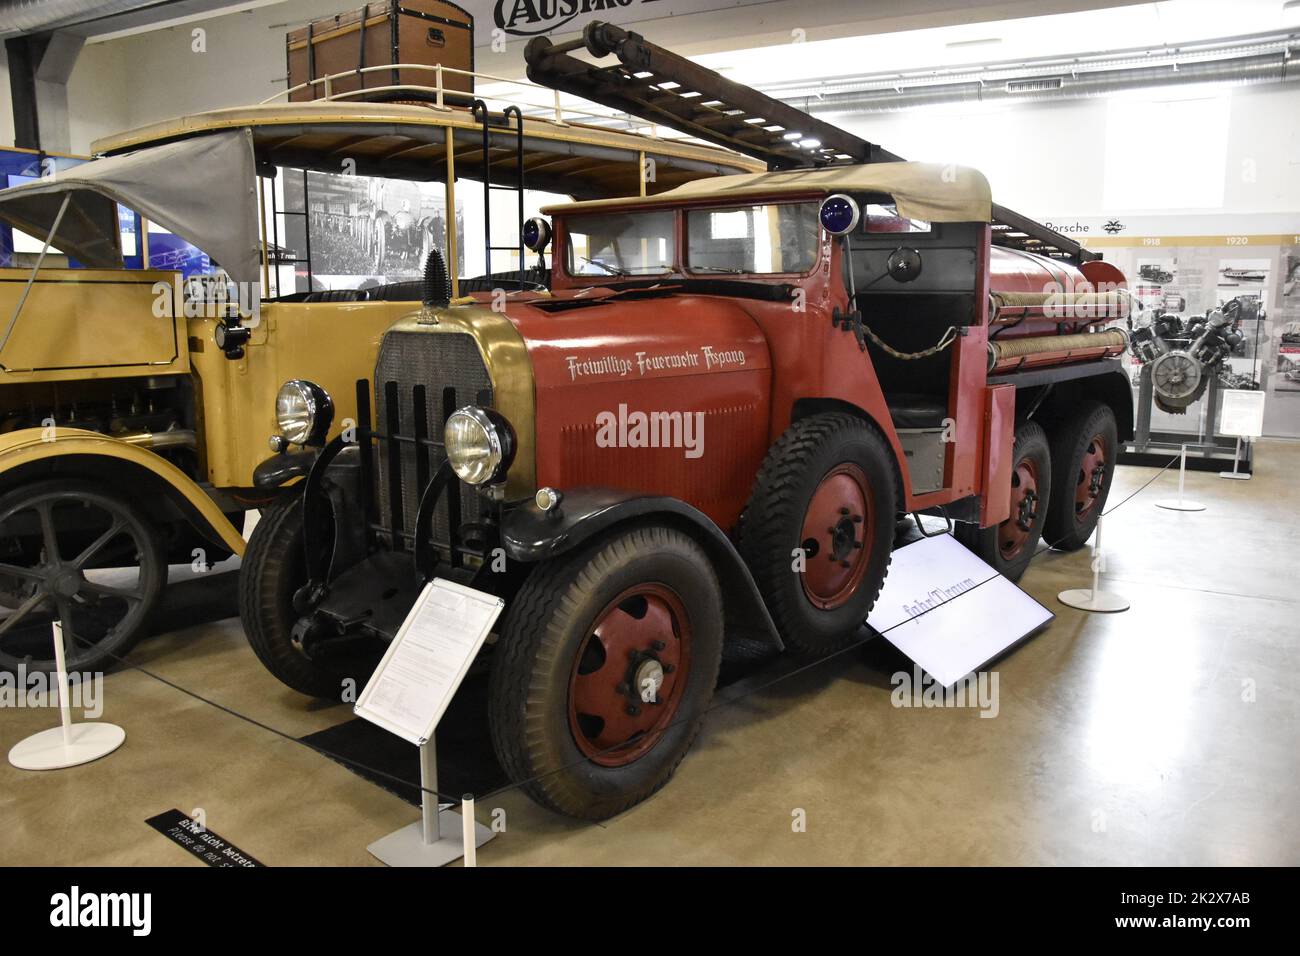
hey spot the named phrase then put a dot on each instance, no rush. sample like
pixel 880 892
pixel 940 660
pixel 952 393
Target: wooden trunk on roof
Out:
pixel 420 32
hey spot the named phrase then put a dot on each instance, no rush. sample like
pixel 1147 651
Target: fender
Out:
pixel 530 535
pixel 29 445
pixel 284 467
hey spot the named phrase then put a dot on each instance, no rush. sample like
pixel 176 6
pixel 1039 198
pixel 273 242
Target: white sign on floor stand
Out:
pixel 1094 598
pixel 1180 503
pixel 407 696
pixel 949 611
pixel 1242 416
pixel 69 744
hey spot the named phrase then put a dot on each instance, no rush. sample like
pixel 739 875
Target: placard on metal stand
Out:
pixel 1243 416
pixel 407 696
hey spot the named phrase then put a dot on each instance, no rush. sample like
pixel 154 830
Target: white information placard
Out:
pixel 949 611
pixel 1242 412
pixel 427 660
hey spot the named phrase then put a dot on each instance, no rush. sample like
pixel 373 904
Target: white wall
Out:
pixel 1050 159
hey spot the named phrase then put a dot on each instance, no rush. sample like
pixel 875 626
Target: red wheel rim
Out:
pixel 1092 477
pixel 836 536
pixel 643 635
pixel 1014 533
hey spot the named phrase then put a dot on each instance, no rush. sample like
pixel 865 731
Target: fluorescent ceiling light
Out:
pixel 986 41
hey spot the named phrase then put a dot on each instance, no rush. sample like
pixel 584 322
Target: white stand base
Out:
pixel 49 751
pixel 1239 475
pixel 1088 599
pixel 1179 504
pixel 406 847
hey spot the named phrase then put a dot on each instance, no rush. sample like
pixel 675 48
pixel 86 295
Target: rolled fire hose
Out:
pixel 1088 306
pixel 1055 349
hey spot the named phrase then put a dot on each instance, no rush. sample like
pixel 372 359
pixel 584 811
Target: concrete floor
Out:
pixel 1164 735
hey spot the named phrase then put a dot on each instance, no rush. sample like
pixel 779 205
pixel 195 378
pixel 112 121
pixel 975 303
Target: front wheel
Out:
pixel 274 568
pixel 1009 547
pixel 604 669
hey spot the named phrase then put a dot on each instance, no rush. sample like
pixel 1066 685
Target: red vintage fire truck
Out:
pixel 710 426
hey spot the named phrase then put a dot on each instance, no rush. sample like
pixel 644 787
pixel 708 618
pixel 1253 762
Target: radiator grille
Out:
pixel 438 361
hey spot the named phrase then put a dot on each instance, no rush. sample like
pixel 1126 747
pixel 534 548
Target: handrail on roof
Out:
pixel 555 108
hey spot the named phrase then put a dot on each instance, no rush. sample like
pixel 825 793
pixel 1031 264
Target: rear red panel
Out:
pixel 1000 419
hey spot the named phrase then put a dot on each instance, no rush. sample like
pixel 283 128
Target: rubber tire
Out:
pixel 274 567
pixel 1062 529
pixel 546 625
pixel 790 473
pixel 1031 442
pixel 151 542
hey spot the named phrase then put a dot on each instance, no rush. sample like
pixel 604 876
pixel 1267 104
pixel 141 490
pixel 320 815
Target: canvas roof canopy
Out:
pixel 930 191
pixel 202 189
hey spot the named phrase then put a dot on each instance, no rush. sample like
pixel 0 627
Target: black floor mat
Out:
pixel 466 762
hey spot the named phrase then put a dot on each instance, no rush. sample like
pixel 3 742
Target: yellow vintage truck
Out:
pixel 135 407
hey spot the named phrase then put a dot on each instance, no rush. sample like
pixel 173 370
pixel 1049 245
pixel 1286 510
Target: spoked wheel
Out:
pixel 1084 449
pixel 1009 547
pixel 604 669
pixel 623 691
pixel 73 553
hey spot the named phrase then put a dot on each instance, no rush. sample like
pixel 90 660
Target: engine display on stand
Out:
pixel 1183 356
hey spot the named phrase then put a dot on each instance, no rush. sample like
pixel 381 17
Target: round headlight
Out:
pixel 839 214
pixel 537 233
pixel 304 412
pixel 479 444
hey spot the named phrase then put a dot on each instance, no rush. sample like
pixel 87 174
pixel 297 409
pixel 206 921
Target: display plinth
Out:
pixel 407 847
pixel 69 744
pixel 1180 503
pixel 1086 599
pixel 51 750
pixel 1094 598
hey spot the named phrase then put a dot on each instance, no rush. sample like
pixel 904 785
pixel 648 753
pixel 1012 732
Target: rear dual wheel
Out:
pixel 1084 450
pixel 1008 547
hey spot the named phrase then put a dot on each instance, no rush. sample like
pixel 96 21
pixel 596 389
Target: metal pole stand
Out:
pixel 1236 461
pixel 440 835
pixel 1180 503
pixel 1094 598
pixel 69 744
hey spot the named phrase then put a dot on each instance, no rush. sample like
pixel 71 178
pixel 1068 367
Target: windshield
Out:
pixel 621 244
pixel 753 239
